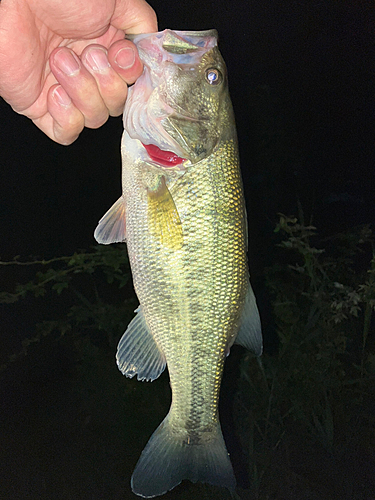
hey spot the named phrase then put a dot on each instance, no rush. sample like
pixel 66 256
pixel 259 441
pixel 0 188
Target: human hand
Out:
pixel 65 63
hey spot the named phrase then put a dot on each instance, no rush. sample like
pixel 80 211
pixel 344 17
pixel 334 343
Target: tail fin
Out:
pixel 168 458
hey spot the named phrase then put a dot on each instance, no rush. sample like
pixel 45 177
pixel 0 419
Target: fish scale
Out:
pixel 214 239
pixel 186 239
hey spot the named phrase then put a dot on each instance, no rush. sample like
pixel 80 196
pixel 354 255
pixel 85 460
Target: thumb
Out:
pixel 134 16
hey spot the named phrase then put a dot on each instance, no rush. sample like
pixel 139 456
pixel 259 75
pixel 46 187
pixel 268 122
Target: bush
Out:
pixel 306 412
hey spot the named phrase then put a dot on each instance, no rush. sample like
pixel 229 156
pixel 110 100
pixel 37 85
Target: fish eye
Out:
pixel 213 76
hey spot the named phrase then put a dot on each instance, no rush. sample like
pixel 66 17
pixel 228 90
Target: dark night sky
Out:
pixel 302 81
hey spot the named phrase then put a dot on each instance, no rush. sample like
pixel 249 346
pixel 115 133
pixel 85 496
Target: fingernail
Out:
pixel 97 59
pixel 67 62
pixel 125 58
pixel 61 97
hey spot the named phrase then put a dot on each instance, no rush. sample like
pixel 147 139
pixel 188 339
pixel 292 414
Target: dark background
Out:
pixel 301 77
pixel 302 81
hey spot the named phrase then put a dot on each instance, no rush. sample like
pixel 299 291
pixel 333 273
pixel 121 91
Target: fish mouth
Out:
pixel 151 122
pixel 165 158
pixel 183 33
pixel 144 115
pixel 152 115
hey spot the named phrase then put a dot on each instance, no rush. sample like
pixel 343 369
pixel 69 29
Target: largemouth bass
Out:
pixel 182 214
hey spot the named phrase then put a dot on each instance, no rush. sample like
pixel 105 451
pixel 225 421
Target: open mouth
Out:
pixel 165 158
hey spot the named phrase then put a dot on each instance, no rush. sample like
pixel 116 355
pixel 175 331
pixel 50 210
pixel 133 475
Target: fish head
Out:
pixel 180 104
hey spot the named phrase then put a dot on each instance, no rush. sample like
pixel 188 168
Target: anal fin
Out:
pixel 138 353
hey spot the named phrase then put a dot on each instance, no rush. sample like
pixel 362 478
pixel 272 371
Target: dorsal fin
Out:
pixel 250 333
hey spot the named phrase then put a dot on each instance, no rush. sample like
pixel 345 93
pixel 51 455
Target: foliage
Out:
pixel 88 283
pixel 313 399
pixel 304 412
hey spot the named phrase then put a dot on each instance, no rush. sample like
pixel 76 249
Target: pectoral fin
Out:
pixel 164 221
pixel 111 227
pixel 250 333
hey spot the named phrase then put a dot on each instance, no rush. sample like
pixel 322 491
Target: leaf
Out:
pixel 60 286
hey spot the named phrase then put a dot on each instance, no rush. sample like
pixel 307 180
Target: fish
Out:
pixel 182 214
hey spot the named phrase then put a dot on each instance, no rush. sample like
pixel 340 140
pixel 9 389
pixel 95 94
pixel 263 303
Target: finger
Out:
pixel 63 122
pixel 113 89
pixel 134 17
pixel 123 57
pixel 80 86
